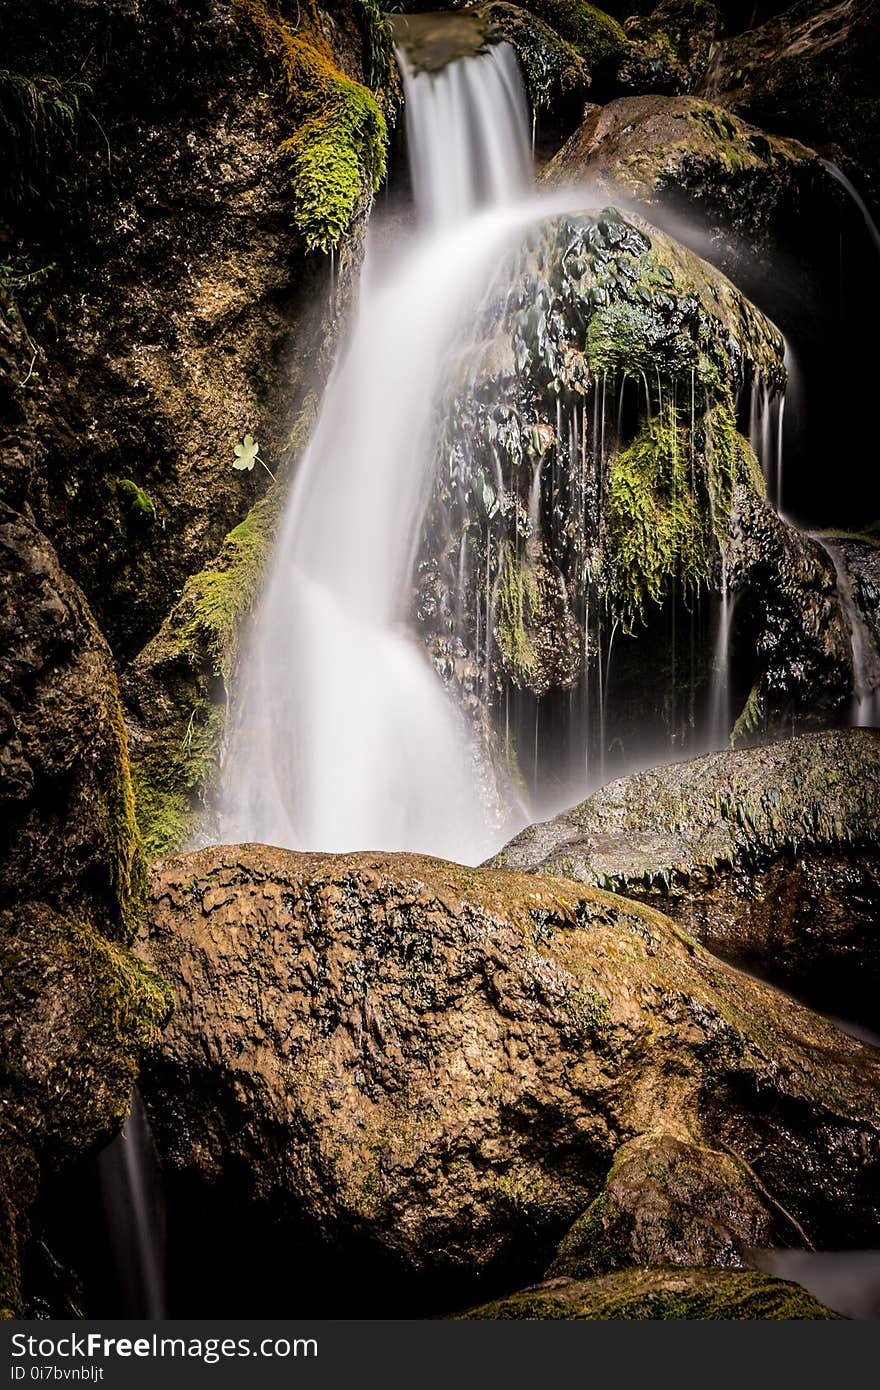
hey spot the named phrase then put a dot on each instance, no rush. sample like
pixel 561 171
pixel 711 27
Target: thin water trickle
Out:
pixel 840 177
pixel 132 1194
pixel 865 709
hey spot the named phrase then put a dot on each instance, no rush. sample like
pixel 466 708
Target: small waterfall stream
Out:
pixel 344 736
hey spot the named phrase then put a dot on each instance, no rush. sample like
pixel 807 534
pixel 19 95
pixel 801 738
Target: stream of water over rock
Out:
pixel 344 736
pixel 345 733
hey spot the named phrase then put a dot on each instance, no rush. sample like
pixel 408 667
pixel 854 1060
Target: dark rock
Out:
pixel 181 309
pixel 69 836
pixel 77 1007
pixel 656 1294
pixel 811 72
pixel 441 1063
pixel 670 1201
pixel 767 855
pixel 669 48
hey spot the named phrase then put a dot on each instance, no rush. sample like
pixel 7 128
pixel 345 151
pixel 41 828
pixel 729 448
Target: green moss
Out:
pixel 132 1003
pixel 140 505
pixel 197 649
pixel 669 497
pixel 598 38
pixel 589 1016
pixel 336 156
pixel 662 1295
pixel 38 120
pixel 517 598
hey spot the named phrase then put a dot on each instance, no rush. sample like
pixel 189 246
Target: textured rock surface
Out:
pixel 669 49
pixel 694 158
pixel 768 855
pixel 670 1201
pixel 180 310
pixel 68 834
pixel 443 1062
pixel 809 71
pixel 77 1006
pixel 660 1294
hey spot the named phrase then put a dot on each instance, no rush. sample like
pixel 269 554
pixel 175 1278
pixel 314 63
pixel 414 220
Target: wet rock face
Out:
pixel 767 855
pixel 182 312
pixel 660 1294
pixel 790 616
pixel 445 1062
pixel 69 837
pixel 77 1007
pixel 669 49
pixel 809 71
pixel 593 485
pixel 687 156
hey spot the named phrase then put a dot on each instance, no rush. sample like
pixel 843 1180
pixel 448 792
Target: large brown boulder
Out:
pixel 767 855
pixel 434 1067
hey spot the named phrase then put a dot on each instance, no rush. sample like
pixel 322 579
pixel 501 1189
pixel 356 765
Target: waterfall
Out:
pixel 133 1201
pixel 865 710
pixel 849 187
pixel 343 736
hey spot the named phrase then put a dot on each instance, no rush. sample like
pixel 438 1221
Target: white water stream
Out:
pixel 344 736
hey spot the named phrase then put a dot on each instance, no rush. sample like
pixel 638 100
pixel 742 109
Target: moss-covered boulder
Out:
pixel 590 468
pixel 685 155
pixel 809 71
pixel 660 1295
pixel 433 1068
pixel 77 1006
pixel 669 49
pixel 768 855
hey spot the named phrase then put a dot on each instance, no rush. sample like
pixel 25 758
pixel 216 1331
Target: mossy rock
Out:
pixel 812 73
pixel 596 36
pixel 669 48
pixel 690 156
pixel 583 505
pixel 661 1295
pixel 176 690
pixel 546 1023
pixel 766 854
pixel 337 153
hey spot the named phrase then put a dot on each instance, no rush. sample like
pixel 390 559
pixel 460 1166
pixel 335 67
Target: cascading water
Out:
pixel 344 737
pixel 865 710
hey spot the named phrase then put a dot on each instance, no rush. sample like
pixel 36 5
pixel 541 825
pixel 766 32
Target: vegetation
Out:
pixel 598 38
pixel 336 156
pixel 39 116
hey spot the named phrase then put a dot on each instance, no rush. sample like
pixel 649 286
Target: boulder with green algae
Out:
pixel 440 1064
pixel 811 72
pixel 768 855
pixel 688 156
pixel 589 454
pixel 77 1006
pixel 660 1294
pixel 669 49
